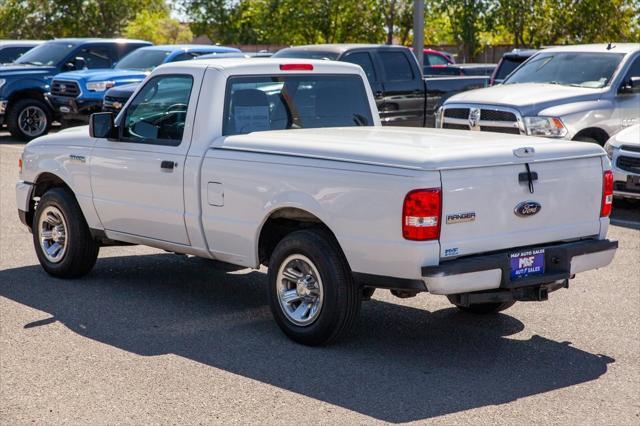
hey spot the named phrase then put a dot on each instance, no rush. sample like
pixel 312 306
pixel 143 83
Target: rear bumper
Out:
pixel 493 271
pixel 74 108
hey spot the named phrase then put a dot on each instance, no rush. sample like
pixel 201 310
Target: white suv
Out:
pixel 624 151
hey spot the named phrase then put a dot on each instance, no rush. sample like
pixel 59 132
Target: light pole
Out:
pixel 418 31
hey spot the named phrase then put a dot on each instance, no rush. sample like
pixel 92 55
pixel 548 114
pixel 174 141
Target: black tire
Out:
pixel 81 250
pixel 341 295
pixel 367 293
pixel 484 308
pixel 14 115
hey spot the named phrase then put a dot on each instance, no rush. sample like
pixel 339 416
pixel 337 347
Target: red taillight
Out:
pixel 421 214
pixel 607 193
pixel 20 165
pixel 296 67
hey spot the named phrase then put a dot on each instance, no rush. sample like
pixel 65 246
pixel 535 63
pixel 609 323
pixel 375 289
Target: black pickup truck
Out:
pixel 403 96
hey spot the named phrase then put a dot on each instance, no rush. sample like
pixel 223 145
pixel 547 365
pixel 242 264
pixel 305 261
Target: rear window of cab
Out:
pixel 262 103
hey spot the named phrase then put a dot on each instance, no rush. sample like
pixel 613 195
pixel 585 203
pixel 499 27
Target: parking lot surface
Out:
pixel 152 337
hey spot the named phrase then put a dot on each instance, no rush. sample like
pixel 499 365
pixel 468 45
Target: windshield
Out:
pixel 294 102
pixel 305 54
pixel 48 54
pixel 143 60
pixel 592 70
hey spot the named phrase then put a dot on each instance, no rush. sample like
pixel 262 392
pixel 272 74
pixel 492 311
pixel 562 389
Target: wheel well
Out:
pixel 43 183
pixel 23 94
pixel 283 222
pixel 593 132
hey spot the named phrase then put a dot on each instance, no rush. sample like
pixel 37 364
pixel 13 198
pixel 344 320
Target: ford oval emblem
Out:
pixel 527 208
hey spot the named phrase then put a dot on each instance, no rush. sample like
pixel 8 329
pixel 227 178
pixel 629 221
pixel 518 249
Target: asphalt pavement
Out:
pixel 155 338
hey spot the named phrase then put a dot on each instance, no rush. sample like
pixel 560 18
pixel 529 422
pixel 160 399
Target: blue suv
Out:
pixel 23 84
pixel 78 94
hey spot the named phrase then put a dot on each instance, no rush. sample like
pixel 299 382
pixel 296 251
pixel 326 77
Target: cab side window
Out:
pixel 364 60
pixel 634 70
pixel 435 60
pixel 158 112
pixel 96 56
pixel 396 66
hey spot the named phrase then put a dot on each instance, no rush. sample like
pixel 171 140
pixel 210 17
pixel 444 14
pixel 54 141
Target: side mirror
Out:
pixel 101 126
pixel 631 86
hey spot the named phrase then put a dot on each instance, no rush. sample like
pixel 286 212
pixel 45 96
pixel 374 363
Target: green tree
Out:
pixel 43 19
pixel 467 18
pixel 565 21
pixel 285 21
pixel 398 20
pixel 213 18
pixel 158 28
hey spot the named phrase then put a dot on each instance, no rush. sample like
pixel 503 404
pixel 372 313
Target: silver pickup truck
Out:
pixel 584 93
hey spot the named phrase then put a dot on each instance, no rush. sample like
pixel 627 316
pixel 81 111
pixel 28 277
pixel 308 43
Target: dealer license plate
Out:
pixel 527 263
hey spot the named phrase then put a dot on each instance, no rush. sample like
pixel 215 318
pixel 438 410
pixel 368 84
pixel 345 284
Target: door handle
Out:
pixel 168 165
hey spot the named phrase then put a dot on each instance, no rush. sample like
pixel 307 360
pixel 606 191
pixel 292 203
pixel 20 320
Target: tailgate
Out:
pixel 568 192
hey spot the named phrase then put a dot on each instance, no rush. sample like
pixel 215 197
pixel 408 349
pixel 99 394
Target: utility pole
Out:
pixel 418 31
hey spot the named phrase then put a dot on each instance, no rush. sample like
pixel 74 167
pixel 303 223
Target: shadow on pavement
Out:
pixel 400 364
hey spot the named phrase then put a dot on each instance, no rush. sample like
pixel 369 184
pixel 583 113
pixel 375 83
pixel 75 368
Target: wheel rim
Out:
pixel 32 120
pixel 300 290
pixel 52 233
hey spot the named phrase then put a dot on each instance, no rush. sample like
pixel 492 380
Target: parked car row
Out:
pixel 75 95
pixel 68 79
pixel 116 97
pixel 404 97
pixel 23 84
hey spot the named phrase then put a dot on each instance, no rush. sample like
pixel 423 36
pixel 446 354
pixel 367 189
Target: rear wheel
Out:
pixel 61 237
pixel 28 119
pixel 312 294
pixel 483 308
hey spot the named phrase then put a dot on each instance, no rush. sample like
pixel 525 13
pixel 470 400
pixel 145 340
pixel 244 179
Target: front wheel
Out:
pixel 312 295
pixel 28 119
pixel 483 308
pixel 63 242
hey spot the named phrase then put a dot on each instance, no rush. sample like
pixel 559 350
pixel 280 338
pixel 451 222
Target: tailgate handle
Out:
pixel 528 177
pixel 524 177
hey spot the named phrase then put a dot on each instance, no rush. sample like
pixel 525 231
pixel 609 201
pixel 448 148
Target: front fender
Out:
pixel 69 164
pixel 14 87
pixel 582 115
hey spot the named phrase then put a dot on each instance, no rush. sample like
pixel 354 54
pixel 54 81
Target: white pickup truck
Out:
pixel 283 163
